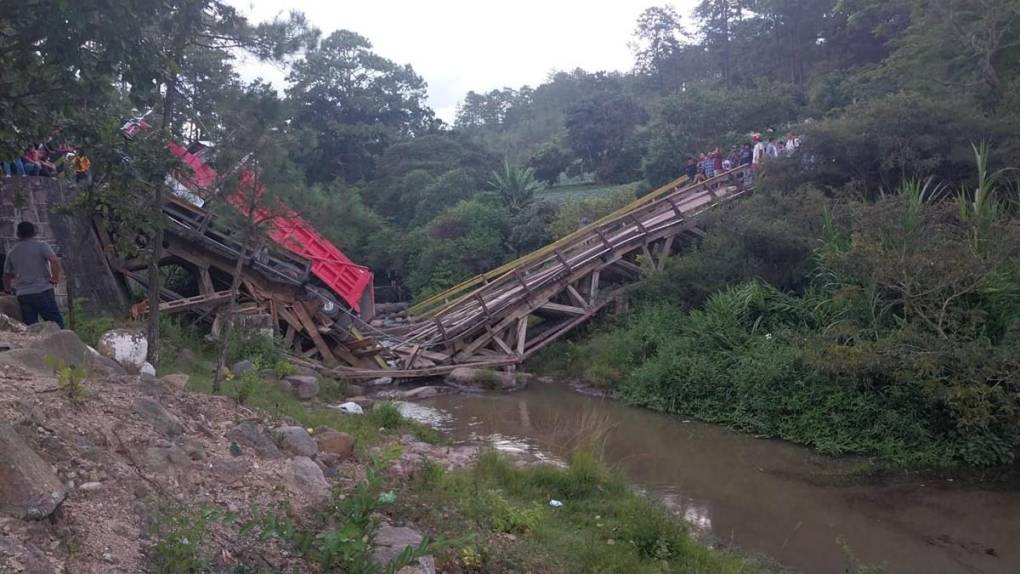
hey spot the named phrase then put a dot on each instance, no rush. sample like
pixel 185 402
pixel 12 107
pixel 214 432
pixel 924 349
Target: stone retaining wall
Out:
pixel 38 200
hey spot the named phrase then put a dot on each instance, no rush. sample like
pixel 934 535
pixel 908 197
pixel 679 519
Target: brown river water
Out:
pixel 768 498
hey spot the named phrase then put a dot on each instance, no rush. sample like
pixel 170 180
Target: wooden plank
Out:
pixel 593 290
pixel 563 309
pixel 576 297
pixel 640 226
pixel 522 331
pixel 481 301
pixel 205 282
pixel 501 343
pixel 563 261
pixel 313 331
pixel 664 252
pixel 186 303
pixel 288 340
pixel 605 241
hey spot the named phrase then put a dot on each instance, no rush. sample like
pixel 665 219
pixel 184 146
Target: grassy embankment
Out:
pixel 498 518
pixel 888 329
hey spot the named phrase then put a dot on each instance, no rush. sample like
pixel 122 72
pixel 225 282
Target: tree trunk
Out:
pixel 228 326
pixel 249 245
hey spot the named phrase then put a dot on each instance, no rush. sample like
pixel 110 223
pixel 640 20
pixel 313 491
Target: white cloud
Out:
pixel 461 45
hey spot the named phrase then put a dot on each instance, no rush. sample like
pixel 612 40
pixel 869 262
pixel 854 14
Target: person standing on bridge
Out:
pixel 31 271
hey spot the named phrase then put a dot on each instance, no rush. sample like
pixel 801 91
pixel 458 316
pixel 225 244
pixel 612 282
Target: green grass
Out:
pixel 566 193
pixel 372 428
pixel 499 519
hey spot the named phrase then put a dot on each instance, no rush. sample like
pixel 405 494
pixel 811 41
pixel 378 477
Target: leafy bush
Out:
pixel 264 352
pixel 70 379
pixel 340 540
pixel 900 343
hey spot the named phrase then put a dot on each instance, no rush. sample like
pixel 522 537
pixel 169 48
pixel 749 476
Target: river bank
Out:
pixel 771 499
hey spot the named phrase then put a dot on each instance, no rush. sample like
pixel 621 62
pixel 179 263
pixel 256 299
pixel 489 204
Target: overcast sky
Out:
pixel 461 45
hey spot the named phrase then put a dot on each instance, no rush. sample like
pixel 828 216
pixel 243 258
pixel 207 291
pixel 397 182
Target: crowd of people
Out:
pixel 757 152
pixel 46 160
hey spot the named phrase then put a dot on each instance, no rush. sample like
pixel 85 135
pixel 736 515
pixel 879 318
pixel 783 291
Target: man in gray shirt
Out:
pixel 31 270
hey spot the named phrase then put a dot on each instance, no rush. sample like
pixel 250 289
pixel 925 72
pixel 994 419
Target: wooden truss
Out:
pixel 508 319
pixel 273 283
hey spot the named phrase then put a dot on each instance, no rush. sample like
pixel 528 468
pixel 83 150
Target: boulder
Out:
pixel 304 387
pixel 352 390
pixel 339 444
pixel 63 345
pixel 163 459
pixel 305 480
pixel 42 329
pixel 176 380
pixel 419 393
pixel 241 367
pixel 390 541
pixel 350 408
pixel 295 440
pixel 29 489
pixel 381 381
pixel 249 434
pixel 9 324
pixel 362 401
pixel 148 369
pixel 482 379
pixel 162 421
pixel 126 346
pixel 9 306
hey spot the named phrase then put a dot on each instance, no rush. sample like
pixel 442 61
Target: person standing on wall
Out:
pixel 31 271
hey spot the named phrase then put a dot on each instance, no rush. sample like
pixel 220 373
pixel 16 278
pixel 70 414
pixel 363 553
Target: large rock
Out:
pixel 295 440
pixel 241 367
pixel 42 329
pixel 336 443
pixel 9 324
pixel 304 387
pixel 305 480
pixel 28 486
pixel 162 421
pixel 126 346
pixel 390 541
pixel 482 379
pixel 249 434
pixel 9 306
pixel 178 381
pixel 62 345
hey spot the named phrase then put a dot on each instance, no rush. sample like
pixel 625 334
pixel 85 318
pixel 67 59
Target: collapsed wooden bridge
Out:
pixel 497 319
pixel 502 317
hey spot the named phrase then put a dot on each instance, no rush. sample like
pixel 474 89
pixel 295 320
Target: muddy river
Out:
pixel 769 498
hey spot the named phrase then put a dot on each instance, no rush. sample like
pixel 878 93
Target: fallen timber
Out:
pixel 496 320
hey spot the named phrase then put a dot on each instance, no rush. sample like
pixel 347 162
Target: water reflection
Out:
pixel 765 496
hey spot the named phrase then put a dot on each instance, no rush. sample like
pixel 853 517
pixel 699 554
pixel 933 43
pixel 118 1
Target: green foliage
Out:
pixel 516 186
pixel 574 215
pixel 180 533
pixel 386 415
pixel 898 340
pixel 264 352
pixel 549 162
pixel 602 526
pixel 339 540
pixel 246 385
pixel 90 327
pixel 70 379
pixel 284 368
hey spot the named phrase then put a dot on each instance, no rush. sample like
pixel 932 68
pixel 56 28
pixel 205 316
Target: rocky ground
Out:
pixel 80 480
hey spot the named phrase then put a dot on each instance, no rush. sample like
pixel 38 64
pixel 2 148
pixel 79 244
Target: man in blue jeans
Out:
pixel 32 270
